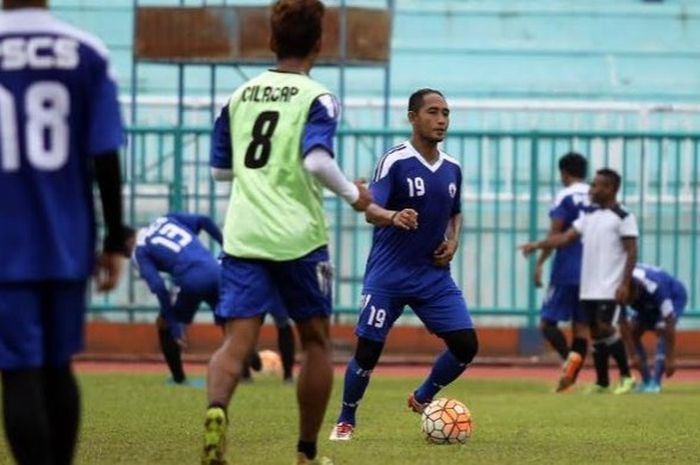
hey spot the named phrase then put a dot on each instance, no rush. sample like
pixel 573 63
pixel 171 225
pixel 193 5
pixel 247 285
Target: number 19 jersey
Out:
pixel 58 107
pixel 275 211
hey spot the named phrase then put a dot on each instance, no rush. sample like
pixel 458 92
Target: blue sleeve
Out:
pixel 381 189
pixel 150 274
pixel 221 155
pixel 321 125
pixel 196 223
pixel 566 210
pixel 457 204
pixel 106 127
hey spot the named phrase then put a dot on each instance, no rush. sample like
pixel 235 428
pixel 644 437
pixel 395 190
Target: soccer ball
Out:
pixel 271 362
pixel 446 421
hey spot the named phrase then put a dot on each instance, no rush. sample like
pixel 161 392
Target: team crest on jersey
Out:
pixel 452 188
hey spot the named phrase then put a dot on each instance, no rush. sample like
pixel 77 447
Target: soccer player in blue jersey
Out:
pixel 562 299
pixel 170 245
pixel 655 304
pixel 417 220
pixel 60 129
pixel 275 139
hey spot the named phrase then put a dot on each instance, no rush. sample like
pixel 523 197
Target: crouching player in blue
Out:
pixel 170 245
pixel 417 219
pixel 656 303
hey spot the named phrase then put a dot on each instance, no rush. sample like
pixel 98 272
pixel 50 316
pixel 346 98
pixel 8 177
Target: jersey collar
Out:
pixel 435 166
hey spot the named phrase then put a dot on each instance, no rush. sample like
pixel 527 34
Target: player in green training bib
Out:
pixel 274 141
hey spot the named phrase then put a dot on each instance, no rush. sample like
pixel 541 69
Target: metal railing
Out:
pixel 509 181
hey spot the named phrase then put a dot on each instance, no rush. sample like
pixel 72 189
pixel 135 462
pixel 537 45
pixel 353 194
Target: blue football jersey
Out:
pixel 170 245
pixel 567 206
pixel 58 108
pixel 401 262
pixel 660 293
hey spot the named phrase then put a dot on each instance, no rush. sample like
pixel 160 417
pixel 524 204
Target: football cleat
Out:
pixel 569 371
pixel 342 432
pixel 214 448
pixel 303 460
pixel 416 406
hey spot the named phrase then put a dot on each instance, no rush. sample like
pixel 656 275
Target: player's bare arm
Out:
pixel 403 219
pixel 447 248
pixel 670 333
pixel 556 226
pixel 623 290
pixel 554 241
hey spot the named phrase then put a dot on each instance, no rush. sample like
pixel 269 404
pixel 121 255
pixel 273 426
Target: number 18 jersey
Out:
pixel 275 211
pixel 58 107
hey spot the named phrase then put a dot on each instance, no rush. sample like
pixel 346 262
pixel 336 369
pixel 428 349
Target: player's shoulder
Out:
pixel 621 211
pixel 576 189
pixel 33 22
pixel 392 157
pixel 450 160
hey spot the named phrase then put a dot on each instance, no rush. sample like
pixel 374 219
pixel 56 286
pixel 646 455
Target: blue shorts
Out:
pixel 562 303
pixel 441 312
pixel 249 287
pixel 651 319
pixel 41 324
pixel 201 284
pixel 278 312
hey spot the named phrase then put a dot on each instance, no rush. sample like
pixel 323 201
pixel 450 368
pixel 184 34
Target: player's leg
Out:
pixel 609 314
pixel 287 348
pixel 637 330
pixel 171 350
pixel 64 337
pixel 244 288
pixel 25 415
pixel 377 316
pixel 285 339
pixel 660 360
pixel 550 315
pixel 569 307
pixel 445 314
pixel 305 287
pixel 600 348
pixel 315 381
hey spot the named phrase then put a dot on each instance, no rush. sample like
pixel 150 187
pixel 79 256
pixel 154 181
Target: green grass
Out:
pixel 135 419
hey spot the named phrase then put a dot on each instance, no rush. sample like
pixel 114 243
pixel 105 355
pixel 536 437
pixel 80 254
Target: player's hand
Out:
pixel 538 275
pixel 622 293
pixel 182 340
pixel 365 197
pixel 405 219
pixel 670 366
pixel 108 270
pixel 528 248
pixel 444 253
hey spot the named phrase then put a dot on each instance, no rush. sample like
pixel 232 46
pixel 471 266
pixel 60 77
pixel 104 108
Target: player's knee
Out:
pixel 314 334
pixel 463 344
pixel 367 353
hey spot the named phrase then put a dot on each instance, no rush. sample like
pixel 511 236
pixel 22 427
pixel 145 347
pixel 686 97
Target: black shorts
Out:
pixel 602 311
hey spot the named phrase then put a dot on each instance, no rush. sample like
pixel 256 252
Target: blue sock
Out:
pixel 356 381
pixel 660 365
pixel 643 362
pixel 445 370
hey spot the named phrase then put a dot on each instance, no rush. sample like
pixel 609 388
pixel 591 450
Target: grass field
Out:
pixel 135 419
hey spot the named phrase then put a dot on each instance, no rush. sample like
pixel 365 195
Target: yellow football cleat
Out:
pixel 303 460
pixel 214 437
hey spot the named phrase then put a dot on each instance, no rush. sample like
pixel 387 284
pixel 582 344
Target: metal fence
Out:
pixel 509 181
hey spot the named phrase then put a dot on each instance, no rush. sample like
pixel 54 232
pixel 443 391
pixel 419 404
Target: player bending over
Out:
pixel 656 303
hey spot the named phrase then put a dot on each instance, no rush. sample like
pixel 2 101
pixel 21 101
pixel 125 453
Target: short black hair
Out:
pixel 612 175
pixel 415 101
pixel 296 25
pixel 574 165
